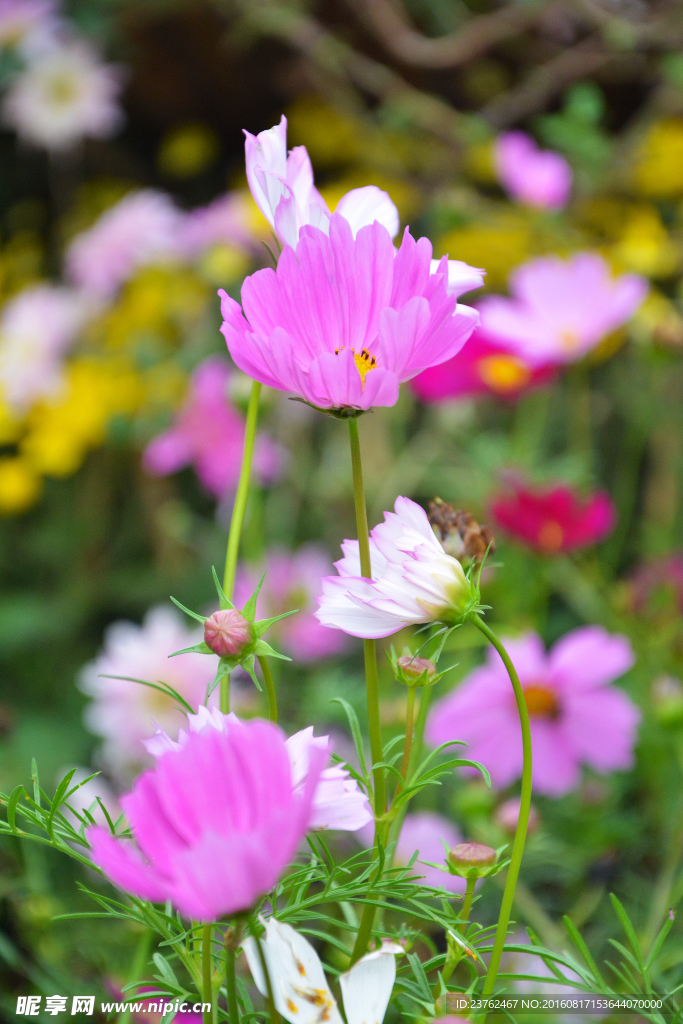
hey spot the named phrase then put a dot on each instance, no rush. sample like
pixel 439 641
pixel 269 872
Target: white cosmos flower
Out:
pixel 338 802
pixel 283 189
pixel 300 989
pixel 63 95
pixel 413 579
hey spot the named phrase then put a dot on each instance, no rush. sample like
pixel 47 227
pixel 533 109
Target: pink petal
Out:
pixel 588 657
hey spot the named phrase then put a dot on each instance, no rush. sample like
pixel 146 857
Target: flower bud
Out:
pixel 466 858
pixel 415 671
pixel 508 813
pixel 227 632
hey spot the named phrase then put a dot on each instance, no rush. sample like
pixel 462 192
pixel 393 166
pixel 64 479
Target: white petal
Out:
pixel 462 278
pixel 366 988
pixel 363 206
pixel 300 990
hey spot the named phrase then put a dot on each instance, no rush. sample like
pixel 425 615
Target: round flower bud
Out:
pixel 415 671
pixel 227 632
pixel 507 814
pixel 467 857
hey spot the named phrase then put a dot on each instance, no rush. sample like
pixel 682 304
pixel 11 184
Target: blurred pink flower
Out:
pixel 225 220
pixel 576 716
pixel 413 579
pixel 532 176
pixel 37 328
pixel 424 831
pixel 346 338
pixel 208 433
pixel 544 323
pixel 293 580
pixel 64 94
pixel 283 189
pixel 481 367
pixel 650 577
pixel 21 17
pixel 124 713
pixel 142 228
pixel 554 519
pixel 338 802
pixel 215 823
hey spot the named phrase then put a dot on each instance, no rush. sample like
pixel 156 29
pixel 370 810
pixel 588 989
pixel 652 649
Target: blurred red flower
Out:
pixel 554 519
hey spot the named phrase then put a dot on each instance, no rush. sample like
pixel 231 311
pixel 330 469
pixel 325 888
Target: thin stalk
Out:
pixel 233 937
pixel 207 973
pixel 371 684
pixel 270 688
pixel 464 914
pixel 140 960
pixel 407 746
pixel 270 999
pixel 522 821
pixel 238 516
pixel 371 680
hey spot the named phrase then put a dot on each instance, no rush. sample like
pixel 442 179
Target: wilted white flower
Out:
pixel 64 94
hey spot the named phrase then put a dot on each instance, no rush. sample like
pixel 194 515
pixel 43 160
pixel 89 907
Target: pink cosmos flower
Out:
pixel 576 716
pixel 283 189
pixel 215 823
pixel 481 367
pixel 337 801
pixel 535 177
pixel 37 328
pixel 413 579
pixel 21 17
pixel 544 323
pixel 142 228
pixel 292 581
pixel 554 519
pixel 209 433
pixel 225 220
pixel 344 320
pixel 124 713
pixel 64 94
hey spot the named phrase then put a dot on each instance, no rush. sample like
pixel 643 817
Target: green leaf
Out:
pixel 36 781
pixel 58 799
pixel 264 650
pixel 263 624
pixel 582 948
pixel 188 611
pixel 160 686
pixel 355 732
pixel 659 942
pixel 12 807
pixel 249 610
pixel 165 970
pixel 223 601
pixel 629 930
pixel 200 648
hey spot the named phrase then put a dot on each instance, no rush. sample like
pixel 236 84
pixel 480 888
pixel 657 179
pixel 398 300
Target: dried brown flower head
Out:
pixel 459 532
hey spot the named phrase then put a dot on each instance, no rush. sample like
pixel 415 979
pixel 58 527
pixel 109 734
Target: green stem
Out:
pixel 579 420
pixel 410 711
pixel 522 821
pixel 140 961
pixel 207 988
pixel 270 999
pixel 233 937
pixel 238 516
pixel 371 680
pixel 270 688
pixel 464 914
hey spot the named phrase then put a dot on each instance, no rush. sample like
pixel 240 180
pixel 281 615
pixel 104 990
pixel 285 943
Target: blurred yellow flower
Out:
pixel 223 265
pixel 658 320
pixel 644 244
pixel 330 137
pixel 10 426
pixel 188 149
pixel 20 485
pixel 499 246
pixel 658 170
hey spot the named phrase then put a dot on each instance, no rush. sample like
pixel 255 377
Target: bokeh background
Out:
pixel 123 207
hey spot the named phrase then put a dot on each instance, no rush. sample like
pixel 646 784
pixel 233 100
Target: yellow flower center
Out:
pixel 551 537
pixel 503 373
pixel 541 702
pixel 363 360
pixel 63 88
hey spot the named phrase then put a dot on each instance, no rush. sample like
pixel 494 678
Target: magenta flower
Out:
pixel 293 580
pixel 337 802
pixel 554 519
pixel 481 367
pixel 209 434
pixel 535 177
pixel 283 189
pixel 344 320
pixel 544 323
pixel 215 823
pixel 142 228
pixel 413 579
pixel 577 717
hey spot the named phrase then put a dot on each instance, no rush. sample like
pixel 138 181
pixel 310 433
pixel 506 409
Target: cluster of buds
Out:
pixel 474 860
pixel 234 635
pixel 459 532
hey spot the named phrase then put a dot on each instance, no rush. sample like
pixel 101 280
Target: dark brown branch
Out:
pixel 391 26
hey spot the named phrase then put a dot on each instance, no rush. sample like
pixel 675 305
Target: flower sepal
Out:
pixel 474 860
pixel 413 671
pixel 237 638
